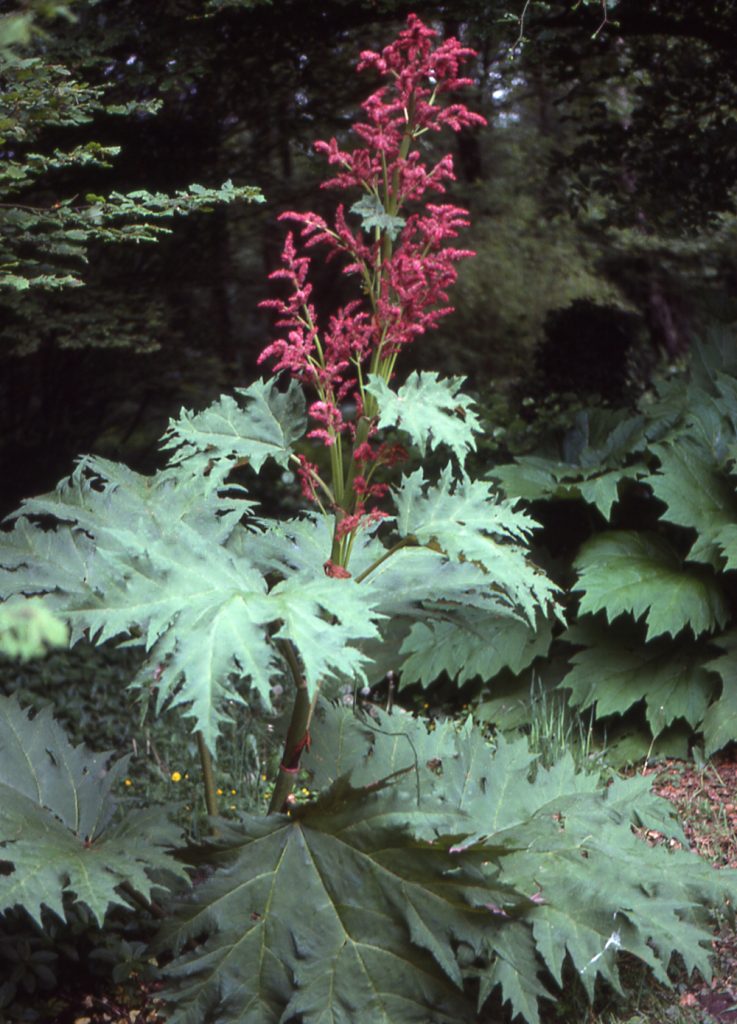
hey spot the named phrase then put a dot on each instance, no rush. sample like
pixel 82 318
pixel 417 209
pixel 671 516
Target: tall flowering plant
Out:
pixel 427 868
pixel 395 245
pixel 397 248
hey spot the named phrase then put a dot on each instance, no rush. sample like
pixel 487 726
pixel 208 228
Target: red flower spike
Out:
pixel 405 268
pixel 307 474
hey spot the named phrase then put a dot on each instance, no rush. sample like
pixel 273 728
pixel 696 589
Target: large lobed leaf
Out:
pixel 262 422
pixel 438 614
pixel 625 571
pixel 164 561
pixel 596 457
pixel 683 448
pixel 616 669
pixel 56 836
pixel 698 494
pixel 428 862
pixel 466 521
pixel 474 645
pixel 431 411
pixel 720 720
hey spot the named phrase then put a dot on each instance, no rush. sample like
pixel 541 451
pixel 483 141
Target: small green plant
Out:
pixel 425 870
pixel 555 730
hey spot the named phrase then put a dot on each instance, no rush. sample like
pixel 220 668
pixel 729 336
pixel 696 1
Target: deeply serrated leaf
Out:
pixel 478 646
pixel 377 940
pixel 592 468
pixel 697 493
pixel 720 720
pixel 467 521
pixel 144 557
pixel 262 422
pixel 624 571
pixel 359 904
pixel 534 477
pixel 726 540
pixel 55 833
pixel 325 618
pixel 431 411
pixel 617 668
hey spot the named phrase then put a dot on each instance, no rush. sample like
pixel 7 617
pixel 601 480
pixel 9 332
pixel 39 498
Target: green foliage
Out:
pixel 265 423
pixel 46 237
pixel 165 561
pixel 28 629
pixel 178 564
pixel 465 519
pixel 375 218
pixel 58 839
pixel 595 453
pixel 481 646
pixel 699 495
pixel 437 869
pixel 154 559
pixel 431 411
pixel 64 231
pixel 616 669
pixel 431 870
pixel 640 573
pixel 17 28
pixel 670 469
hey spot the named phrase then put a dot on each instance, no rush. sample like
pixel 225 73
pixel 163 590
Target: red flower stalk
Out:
pixel 402 258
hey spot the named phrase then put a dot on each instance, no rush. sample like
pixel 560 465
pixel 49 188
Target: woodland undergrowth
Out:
pixel 430 873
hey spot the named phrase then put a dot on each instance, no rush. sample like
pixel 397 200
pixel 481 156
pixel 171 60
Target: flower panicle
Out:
pixel 402 260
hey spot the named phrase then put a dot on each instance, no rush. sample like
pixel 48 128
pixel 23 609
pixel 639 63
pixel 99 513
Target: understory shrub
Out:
pixel 428 868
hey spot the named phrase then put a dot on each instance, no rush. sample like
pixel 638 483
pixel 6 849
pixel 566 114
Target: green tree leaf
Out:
pixel 623 571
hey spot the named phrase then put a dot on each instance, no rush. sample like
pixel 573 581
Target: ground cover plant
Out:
pixel 434 874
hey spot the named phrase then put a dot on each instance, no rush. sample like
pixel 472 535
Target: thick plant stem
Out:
pixel 208 778
pixel 297 734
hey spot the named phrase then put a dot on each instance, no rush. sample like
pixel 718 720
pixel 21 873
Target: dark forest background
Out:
pixel 602 196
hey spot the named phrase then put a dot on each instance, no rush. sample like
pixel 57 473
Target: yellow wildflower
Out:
pixel 176 776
